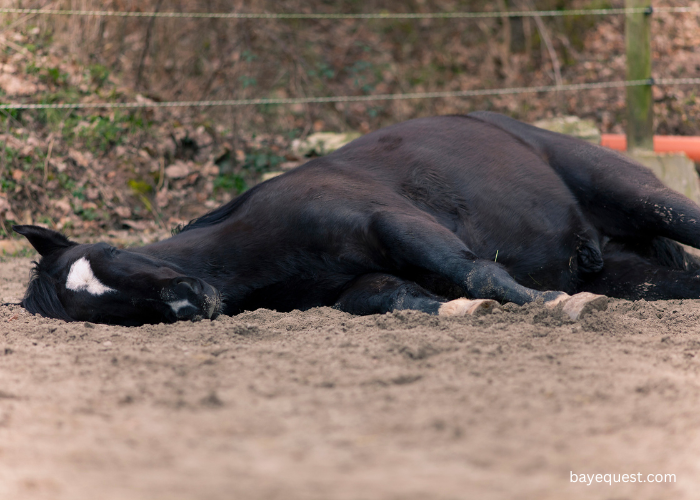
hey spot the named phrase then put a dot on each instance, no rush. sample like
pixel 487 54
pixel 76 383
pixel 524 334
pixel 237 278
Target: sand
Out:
pixel 324 405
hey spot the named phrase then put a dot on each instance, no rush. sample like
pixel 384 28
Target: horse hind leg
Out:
pixel 631 203
pixel 654 275
pixel 620 197
pixel 659 251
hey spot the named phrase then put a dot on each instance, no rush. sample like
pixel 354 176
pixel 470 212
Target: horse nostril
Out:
pixel 190 283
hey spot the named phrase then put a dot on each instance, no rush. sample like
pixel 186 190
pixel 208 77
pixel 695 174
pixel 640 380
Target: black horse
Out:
pixel 417 215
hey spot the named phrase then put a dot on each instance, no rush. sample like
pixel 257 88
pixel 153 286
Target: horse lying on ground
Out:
pixel 444 215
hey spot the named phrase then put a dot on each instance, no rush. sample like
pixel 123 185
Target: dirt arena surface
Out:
pixel 324 405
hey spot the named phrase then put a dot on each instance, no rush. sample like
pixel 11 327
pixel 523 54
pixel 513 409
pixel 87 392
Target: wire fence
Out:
pixel 355 98
pixel 378 15
pixel 361 98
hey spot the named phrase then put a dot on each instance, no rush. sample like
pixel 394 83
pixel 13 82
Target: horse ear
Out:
pixel 45 241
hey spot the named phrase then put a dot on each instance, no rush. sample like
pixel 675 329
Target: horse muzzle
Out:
pixel 192 299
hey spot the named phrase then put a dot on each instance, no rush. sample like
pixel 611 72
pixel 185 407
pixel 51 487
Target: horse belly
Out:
pixel 509 207
pixel 518 212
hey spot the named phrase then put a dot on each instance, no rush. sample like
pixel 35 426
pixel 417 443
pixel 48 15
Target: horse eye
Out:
pixel 112 251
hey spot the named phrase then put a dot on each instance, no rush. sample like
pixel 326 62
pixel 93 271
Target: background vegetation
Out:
pixel 91 171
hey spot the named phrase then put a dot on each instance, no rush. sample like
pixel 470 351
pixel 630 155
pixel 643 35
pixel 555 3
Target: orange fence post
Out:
pixel 689 145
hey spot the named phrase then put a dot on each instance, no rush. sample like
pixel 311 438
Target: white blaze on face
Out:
pixel 81 278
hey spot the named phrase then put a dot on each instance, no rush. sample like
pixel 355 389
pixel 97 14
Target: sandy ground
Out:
pixel 324 405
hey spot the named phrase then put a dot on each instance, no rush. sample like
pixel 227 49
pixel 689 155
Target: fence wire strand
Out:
pixel 360 98
pixel 377 15
pixel 363 98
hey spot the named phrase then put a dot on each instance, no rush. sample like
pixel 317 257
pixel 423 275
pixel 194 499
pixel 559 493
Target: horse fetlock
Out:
pixel 483 281
pixel 490 281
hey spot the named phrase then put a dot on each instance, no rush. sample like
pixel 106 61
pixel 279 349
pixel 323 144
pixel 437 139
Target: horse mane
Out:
pixel 217 215
pixel 41 296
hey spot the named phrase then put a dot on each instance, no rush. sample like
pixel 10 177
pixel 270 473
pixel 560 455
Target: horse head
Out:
pixel 100 283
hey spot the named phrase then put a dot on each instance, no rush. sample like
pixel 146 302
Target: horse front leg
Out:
pixel 415 241
pixel 379 293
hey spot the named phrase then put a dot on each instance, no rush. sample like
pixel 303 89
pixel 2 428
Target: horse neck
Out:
pixel 197 251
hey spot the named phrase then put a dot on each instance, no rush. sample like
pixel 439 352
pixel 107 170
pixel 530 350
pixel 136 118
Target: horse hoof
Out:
pixel 558 300
pixel 462 307
pixel 577 306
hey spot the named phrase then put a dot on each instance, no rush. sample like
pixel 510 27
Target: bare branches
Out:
pixel 547 41
pixel 146 47
pixel 505 44
pixel 23 19
pixel 544 34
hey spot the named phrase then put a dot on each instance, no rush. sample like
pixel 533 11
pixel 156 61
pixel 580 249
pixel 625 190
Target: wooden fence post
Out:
pixel 640 112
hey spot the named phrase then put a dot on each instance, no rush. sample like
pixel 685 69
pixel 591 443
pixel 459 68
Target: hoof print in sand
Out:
pixel 463 307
